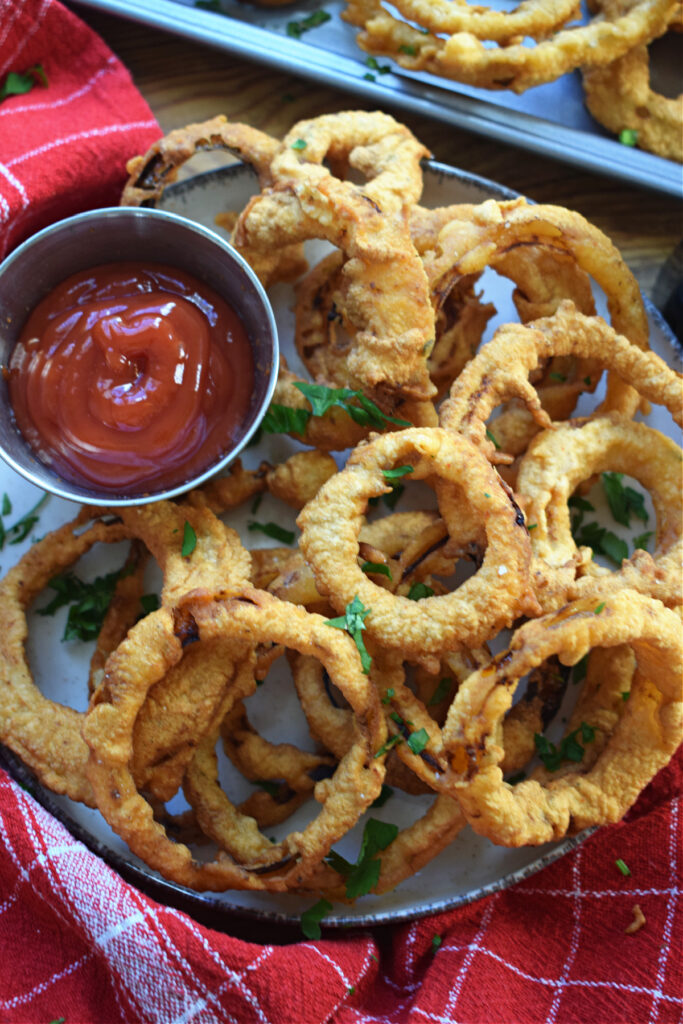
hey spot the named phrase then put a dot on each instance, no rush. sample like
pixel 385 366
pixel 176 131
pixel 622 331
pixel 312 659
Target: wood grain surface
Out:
pixel 185 82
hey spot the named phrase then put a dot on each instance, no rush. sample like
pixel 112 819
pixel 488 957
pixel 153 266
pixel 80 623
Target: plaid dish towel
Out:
pixel 78 945
pixel 64 143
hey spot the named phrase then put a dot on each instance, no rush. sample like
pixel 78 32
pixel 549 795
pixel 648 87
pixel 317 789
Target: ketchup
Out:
pixel 130 377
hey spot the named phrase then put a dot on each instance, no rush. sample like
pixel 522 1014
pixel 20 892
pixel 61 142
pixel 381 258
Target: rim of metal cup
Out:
pixel 46 478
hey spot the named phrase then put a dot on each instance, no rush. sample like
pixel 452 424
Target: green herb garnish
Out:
pixel 299 144
pixel 440 692
pixel 353 621
pixel 417 741
pixel 384 794
pixel 381 69
pixel 366 413
pixel 297 28
pixel 623 501
pixel 283 419
pixel 623 867
pixel 579 670
pixel 642 540
pixel 410 50
pixel 189 540
pixel 149 603
pixel 311 918
pixel 569 749
pixel 599 608
pixel 363 876
pixel 387 698
pixel 6 505
pixel 87 602
pixel 492 439
pixel 378 568
pixel 386 747
pixel 397 473
pixel 272 530
pixel 418 591
pixel 436 942
pixel 20 530
pixel 17 83
pixel 628 136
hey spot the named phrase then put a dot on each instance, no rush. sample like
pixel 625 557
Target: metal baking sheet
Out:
pixel 550 119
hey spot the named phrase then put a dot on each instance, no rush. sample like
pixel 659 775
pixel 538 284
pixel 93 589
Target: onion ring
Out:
pixel 331 525
pixel 644 739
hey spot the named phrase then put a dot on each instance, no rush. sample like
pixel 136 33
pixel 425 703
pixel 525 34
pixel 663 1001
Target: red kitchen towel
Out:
pixel 79 945
pixel 63 147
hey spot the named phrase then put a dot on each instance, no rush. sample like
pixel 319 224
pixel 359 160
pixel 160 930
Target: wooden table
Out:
pixel 185 82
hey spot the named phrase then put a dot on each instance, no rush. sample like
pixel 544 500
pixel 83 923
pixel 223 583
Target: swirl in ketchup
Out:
pixel 131 377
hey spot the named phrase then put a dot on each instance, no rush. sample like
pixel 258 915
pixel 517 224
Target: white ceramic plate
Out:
pixel 471 866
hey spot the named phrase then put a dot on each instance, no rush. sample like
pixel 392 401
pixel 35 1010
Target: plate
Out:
pixel 549 119
pixel 471 867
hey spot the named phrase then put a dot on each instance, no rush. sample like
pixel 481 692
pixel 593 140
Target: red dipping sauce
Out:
pixel 131 377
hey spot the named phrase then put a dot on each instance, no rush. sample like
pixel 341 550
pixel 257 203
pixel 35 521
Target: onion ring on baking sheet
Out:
pixel 645 736
pixel 621 98
pixel 465 58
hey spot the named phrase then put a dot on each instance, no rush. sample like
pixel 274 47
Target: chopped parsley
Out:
pixel 368 77
pixel 579 670
pixel 440 692
pixel 381 69
pixel 311 918
pixel 492 439
pixel 397 473
pixel 365 413
pixel 353 621
pixel 283 419
pixel 561 377
pixel 189 540
pixel 623 501
pixel 273 530
pixel 625 694
pixel 569 749
pixel 384 794
pixel 436 942
pixel 411 51
pixel 642 540
pixel 628 136
pixel 18 531
pixel 417 741
pixel 299 144
pixel 600 608
pixel 296 29
pixel 363 876
pixel 87 602
pixel 391 499
pixel 16 83
pixel 386 747
pixel 623 867
pixel 378 568
pixel 386 699
pixel 418 591
pixel 149 603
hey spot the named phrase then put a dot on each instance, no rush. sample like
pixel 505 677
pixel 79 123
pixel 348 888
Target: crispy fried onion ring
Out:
pixel 556 463
pixel 537 18
pixel 465 58
pixel 645 736
pixel 331 525
pixel 151 172
pixel 46 735
pixel 501 368
pixel 150 649
pixel 620 96
pixel 385 292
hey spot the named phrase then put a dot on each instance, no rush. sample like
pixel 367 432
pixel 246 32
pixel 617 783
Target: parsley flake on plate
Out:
pixel 189 540
pixel 272 530
pixel 311 918
pixel 353 621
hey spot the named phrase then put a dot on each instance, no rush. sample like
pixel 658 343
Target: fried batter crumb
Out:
pixel 637 922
